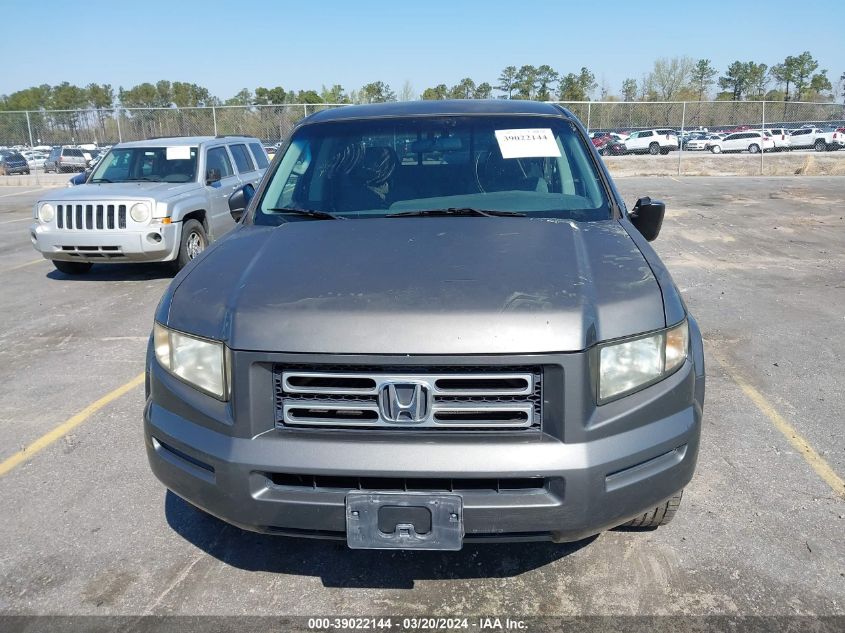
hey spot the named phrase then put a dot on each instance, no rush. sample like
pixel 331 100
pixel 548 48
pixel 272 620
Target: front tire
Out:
pixel 661 515
pixel 194 241
pixel 72 268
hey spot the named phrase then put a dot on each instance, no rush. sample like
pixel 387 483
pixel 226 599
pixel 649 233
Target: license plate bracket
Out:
pixel 404 520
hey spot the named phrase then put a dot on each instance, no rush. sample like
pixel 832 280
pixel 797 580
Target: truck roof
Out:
pixel 174 141
pixel 439 107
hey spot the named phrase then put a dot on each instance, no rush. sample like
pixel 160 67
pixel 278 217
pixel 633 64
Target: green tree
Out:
pixel 757 78
pixel 629 89
pixel 464 89
pixel 101 98
pixel 526 82
pixel 440 91
pixel 242 98
pixel 143 95
pixel 735 80
pixel 483 91
pixel 784 74
pixel 819 83
pixel 702 77
pixel 507 81
pixel 577 87
pixel 546 76
pixel 270 96
pixel 188 95
pixel 804 73
pixel 306 96
pixel 376 92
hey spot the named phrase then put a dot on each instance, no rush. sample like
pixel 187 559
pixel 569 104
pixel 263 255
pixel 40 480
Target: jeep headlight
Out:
pixel 46 212
pixel 626 366
pixel 140 212
pixel 199 362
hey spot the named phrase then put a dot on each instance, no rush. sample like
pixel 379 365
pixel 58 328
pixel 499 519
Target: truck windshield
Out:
pixel 529 165
pixel 156 164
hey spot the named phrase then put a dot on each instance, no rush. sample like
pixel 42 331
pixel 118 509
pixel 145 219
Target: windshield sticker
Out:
pixel 528 143
pixel 181 152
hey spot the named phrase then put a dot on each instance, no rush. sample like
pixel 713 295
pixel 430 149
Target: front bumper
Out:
pixel 107 245
pixel 587 486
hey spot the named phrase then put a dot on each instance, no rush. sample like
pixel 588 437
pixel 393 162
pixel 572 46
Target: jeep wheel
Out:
pixel 194 241
pixel 661 515
pixel 716 149
pixel 820 145
pixel 72 268
pixel 654 149
pixel 753 148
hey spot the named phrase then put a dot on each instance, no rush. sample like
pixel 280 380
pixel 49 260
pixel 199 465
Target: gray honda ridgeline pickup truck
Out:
pixel 436 323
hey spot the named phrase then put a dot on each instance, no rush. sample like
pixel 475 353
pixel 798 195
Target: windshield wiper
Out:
pixel 99 180
pixel 464 211
pixel 309 213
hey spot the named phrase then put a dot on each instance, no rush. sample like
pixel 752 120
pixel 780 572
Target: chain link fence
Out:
pixel 609 121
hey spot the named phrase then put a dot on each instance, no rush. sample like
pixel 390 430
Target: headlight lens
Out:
pixel 627 366
pixel 46 212
pixel 197 361
pixel 140 212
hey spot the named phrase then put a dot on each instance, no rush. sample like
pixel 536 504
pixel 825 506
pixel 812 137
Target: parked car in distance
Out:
pixel 63 159
pixel 652 142
pixel 12 162
pixel 702 142
pixel 833 140
pixel 810 138
pixel 613 147
pixel 751 141
pixel 476 344
pixel 162 199
pixel 34 159
pixel 780 137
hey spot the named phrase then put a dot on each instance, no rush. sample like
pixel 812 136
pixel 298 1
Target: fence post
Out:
pixel 304 110
pixel 588 117
pixel 214 117
pixel 681 140
pixel 762 127
pixel 119 133
pixel 29 129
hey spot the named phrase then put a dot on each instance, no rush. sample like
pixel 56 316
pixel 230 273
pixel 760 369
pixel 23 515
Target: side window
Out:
pixel 218 159
pixel 646 134
pixel 242 159
pixel 260 156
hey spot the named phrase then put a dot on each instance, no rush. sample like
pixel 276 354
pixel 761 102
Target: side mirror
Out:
pixel 647 217
pixel 239 201
pixel 212 176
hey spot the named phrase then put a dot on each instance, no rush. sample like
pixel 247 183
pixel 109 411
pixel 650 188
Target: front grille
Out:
pixel 409 397
pixel 90 216
pixel 406 484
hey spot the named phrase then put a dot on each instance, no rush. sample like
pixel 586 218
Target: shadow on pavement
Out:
pixel 119 272
pixel 338 566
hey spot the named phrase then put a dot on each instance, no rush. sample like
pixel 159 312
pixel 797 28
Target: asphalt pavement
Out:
pixel 87 529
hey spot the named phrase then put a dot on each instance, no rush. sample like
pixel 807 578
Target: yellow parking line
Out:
pixel 67 426
pixel 816 461
pixel 24 265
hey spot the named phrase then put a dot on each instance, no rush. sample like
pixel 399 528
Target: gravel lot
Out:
pixel 761 262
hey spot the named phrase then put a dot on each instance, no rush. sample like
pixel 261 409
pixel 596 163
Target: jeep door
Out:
pixel 218 162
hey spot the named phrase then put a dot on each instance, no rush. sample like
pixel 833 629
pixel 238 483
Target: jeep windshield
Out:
pixel 147 164
pixel 478 165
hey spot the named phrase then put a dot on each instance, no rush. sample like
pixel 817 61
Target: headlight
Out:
pixel 140 212
pixel 630 365
pixel 197 361
pixel 46 213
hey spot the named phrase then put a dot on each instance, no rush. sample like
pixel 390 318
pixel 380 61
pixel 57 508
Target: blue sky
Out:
pixel 226 46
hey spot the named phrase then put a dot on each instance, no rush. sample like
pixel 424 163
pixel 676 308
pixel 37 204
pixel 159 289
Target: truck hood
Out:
pixel 120 191
pixel 419 286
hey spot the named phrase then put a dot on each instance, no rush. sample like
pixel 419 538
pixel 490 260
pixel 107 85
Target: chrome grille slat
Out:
pixel 483 398
pixel 94 215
